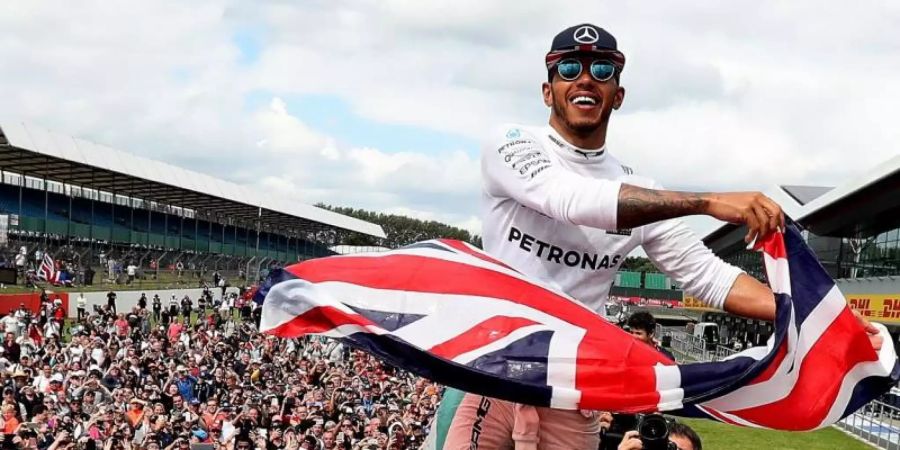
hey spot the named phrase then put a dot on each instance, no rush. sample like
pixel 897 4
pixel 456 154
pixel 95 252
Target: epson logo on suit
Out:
pixel 559 255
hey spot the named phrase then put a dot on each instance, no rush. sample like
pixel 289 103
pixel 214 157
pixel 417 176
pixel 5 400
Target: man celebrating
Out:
pixel 560 208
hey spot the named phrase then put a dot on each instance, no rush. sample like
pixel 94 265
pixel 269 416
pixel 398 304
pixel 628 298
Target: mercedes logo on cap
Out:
pixel 586 35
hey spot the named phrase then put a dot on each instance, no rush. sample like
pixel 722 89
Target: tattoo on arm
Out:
pixel 639 206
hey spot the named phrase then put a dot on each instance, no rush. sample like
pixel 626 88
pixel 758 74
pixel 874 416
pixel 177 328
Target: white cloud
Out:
pixel 727 95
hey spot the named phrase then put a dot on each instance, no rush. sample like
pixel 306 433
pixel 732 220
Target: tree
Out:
pixel 399 230
pixel 638 264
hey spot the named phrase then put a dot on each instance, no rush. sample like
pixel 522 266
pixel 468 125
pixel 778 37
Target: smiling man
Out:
pixel 560 208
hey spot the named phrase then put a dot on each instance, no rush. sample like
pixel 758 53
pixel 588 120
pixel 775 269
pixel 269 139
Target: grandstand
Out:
pixel 854 228
pixel 87 204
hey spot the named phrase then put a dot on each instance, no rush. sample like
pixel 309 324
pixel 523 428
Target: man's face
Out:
pixel 642 335
pixel 328 440
pixel 681 442
pixel 582 119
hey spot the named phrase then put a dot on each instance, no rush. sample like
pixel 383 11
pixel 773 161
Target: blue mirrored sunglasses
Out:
pixel 570 69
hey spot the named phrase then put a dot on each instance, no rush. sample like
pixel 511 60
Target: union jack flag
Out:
pixel 47 271
pixel 449 312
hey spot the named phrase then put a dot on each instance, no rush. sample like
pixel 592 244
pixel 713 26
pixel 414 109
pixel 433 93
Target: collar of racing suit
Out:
pixel 573 153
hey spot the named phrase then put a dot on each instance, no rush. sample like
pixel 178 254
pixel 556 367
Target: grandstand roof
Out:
pixel 806 194
pixel 866 205
pixel 861 207
pixel 38 152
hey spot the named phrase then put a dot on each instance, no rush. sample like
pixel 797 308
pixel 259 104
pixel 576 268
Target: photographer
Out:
pixel 681 437
pixel 642 325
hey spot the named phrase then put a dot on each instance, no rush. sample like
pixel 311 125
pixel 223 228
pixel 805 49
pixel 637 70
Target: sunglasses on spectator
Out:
pixel 570 69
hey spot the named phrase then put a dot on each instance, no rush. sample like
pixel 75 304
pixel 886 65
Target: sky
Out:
pixel 382 104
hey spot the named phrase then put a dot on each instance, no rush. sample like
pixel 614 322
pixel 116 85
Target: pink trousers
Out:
pixel 491 424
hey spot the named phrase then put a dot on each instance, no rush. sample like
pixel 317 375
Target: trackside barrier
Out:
pixel 877 423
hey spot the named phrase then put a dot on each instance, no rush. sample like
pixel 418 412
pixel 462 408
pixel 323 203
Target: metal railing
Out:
pixel 878 423
pixel 693 348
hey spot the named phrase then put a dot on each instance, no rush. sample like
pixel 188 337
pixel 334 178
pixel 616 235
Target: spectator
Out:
pixel 10 422
pixel 642 325
pixel 157 308
pixel 111 301
pixel 186 306
pixel 11 349
pixel 81 305
pixel 131 271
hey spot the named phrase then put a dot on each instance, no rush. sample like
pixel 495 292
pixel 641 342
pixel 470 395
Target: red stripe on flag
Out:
pixel 718 415
pixel 480 335
pixel 773 245
pixel 840 348
pixel 318 320
pixel 629 381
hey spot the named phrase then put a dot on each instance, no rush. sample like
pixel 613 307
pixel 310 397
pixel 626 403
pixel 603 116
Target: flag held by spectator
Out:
pixel 35 334
pixel 448 311
pixel 47 271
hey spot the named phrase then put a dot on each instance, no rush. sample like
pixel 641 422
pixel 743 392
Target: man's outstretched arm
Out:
pixel 519 168
pixel 639 206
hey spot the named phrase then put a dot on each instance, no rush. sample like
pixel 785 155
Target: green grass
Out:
pixel 717 436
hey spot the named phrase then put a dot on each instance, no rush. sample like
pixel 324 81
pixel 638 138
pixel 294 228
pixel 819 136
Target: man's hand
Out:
pixel 606 420
pixel 875 338
pixel 631 441
pixel 758 212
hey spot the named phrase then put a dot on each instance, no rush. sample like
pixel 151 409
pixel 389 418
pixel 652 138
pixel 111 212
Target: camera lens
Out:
pixel 654 427
pixel 654 432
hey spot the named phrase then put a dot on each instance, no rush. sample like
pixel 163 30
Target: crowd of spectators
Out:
pixel 195 373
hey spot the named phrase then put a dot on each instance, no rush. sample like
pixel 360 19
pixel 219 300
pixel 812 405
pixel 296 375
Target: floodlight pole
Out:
pixel 258 225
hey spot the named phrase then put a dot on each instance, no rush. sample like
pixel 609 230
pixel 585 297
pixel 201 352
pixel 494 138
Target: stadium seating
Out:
pixel 118 224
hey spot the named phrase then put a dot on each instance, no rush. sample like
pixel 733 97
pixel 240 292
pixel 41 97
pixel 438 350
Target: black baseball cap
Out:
pixel 584 38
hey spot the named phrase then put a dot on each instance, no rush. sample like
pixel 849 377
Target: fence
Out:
pixel 878 423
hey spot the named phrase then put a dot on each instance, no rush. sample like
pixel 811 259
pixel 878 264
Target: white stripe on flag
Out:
pixel 291 298
pixel 779 274
pixel 668 384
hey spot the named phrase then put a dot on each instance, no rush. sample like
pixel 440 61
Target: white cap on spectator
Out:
pixel 56 377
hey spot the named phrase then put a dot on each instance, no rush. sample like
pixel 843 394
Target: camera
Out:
pixel 653 430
